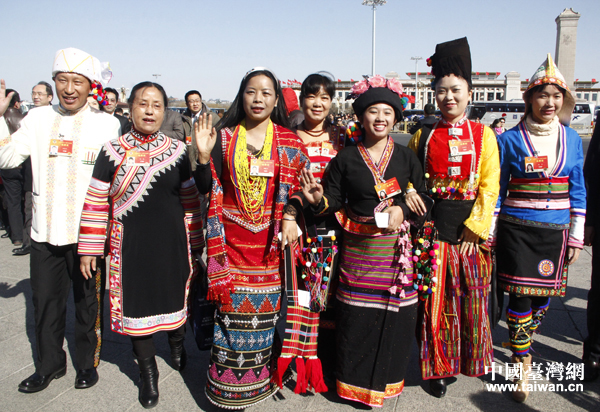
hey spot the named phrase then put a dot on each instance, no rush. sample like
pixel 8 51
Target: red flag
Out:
pixel 339 80
pixel 352 80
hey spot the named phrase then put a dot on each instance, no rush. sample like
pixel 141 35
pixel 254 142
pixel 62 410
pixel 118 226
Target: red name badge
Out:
pixel 387 189
pixel 460 147
pixel 188 140
pixel 536 164
pixel 137 158
pixel 261 167
pixel 61 147
pixel 328 150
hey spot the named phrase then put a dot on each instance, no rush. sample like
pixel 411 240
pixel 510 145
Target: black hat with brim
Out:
pixel 378 95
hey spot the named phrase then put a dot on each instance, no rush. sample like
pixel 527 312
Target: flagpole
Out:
pixel 373 4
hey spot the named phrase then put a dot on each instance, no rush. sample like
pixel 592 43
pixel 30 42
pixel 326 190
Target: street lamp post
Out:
pixel 416 59
pixel 373 4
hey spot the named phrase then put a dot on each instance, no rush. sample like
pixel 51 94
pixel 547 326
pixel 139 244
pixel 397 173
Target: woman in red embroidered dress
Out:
pixel 250 166
pixel 153 202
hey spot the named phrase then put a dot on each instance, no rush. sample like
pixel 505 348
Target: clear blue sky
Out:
pixel 210 45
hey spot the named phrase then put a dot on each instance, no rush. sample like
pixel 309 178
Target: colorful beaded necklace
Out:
pixel 250 190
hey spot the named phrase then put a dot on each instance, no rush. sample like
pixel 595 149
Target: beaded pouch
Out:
pixel 318 258
pixel 425 260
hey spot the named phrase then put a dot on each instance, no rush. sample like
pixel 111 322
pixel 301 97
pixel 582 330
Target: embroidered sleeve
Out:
pixel 190 200
pixel 577 197
pixel 482 213
pixel 94 219
pixel 14 149
pixel 413 145
pixel 504 179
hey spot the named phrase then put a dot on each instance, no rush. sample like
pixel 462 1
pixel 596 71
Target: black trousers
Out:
pixel 523 304
pixel 28 218
pixel 143 346
pixel 13 195
pixel 53 270
pixel 591 345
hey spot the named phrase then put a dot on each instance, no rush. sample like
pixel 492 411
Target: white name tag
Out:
pixel 455 131
pixel 313 151
pixel 454 171
pixel 456 159
pixel 304 298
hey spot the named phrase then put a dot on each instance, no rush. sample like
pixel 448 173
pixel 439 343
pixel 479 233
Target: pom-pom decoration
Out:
pixel 425 248
pixel 354 133
pixel 99 93
pixel 315 261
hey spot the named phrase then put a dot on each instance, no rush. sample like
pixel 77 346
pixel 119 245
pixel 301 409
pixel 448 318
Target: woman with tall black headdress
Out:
pixel 460 162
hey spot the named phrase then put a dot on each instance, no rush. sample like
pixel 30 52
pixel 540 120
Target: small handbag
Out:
pixel 202 311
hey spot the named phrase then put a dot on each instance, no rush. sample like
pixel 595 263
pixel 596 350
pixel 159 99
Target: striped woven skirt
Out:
pixel 240 369
pixel 454 329
pixel 374 327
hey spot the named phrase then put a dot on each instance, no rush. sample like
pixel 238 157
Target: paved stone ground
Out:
pixel 560 341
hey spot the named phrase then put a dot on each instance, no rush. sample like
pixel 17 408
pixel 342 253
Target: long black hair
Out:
pixel 236 113
pixel 144 85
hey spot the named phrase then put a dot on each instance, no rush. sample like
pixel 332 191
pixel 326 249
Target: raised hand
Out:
pixel 4 99
pixel 313 191
pixel 206 137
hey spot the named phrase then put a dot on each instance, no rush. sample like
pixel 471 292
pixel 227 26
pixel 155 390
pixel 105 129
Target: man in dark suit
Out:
pixel 428 120
pixel 172 125
pixel 112 99
pixel 195 108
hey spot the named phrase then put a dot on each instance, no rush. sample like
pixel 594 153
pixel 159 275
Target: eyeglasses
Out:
pixel 194 101
pixel 38 94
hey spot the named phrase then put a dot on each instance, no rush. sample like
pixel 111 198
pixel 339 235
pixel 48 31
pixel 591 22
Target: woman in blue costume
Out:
pixel 540 209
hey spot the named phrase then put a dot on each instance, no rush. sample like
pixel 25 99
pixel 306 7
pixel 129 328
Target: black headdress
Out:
pixel 452 57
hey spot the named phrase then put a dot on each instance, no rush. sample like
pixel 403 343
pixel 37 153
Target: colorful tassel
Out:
pixel 282 365
pixel 314 372
pixel 301 380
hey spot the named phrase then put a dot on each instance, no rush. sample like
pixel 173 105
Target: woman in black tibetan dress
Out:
pixel 143 181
